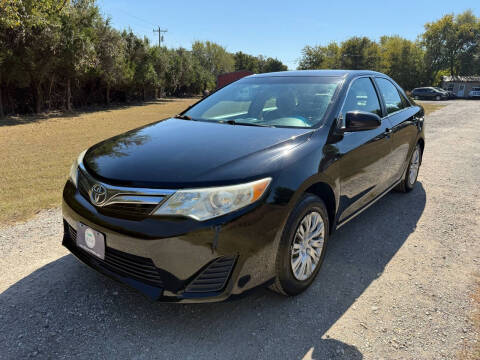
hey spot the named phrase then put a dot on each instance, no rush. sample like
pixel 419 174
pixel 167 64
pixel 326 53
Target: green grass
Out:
pixel 37 152
pixel 429 107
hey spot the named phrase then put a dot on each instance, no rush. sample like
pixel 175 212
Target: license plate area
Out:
pixel 90 240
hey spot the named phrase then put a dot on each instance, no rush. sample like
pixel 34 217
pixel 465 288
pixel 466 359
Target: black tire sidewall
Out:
pixel 290 285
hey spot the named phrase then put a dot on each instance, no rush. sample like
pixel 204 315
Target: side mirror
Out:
pixel 361 121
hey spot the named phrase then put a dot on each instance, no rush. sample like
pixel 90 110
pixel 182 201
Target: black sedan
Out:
pixel 430 93
pixel 244 188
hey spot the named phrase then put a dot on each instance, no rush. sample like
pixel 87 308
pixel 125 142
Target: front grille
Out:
pixel 214 277
pixel 131 211
pixel 122 263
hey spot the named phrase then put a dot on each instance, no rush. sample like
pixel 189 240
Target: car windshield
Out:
pixel 283 101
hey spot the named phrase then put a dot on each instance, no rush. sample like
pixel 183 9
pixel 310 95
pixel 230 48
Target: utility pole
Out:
pixel 160 36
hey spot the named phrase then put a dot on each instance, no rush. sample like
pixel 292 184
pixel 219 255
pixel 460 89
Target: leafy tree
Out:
pixel 180 76
pixel 246 62
pixel 402 59
pixel 271 65
pixel 110 48
pixel 450 41
pixel 257 64
pixel 320 57
pixel 76 48
pixel 355 53
pixel 33 30
pixel 213 57
pixel 159 56
pixel 359 53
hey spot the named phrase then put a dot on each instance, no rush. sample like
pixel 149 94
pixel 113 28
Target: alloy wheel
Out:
pixel 307 246
pixel 414 166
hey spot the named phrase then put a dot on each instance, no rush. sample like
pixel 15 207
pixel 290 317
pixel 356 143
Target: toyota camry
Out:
pixel 244 188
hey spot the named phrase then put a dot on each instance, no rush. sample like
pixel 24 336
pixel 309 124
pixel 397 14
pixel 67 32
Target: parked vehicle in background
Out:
pixel 474 93
pixel 450 94
pixel 245 187
pixel 429 93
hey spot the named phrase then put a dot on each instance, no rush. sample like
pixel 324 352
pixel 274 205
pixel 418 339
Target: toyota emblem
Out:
pixel 98 194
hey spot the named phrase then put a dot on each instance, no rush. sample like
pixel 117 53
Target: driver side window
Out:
pixel 361 97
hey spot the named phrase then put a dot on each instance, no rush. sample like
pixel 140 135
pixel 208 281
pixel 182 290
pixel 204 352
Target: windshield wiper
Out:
pixel 184 117
pixel 234 122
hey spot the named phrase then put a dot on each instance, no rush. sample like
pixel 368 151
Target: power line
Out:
pixel 136 17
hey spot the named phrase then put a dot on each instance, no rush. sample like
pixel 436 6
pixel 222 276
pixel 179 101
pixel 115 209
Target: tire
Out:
pixel 408 182
pixel 287 281
pixel 438 98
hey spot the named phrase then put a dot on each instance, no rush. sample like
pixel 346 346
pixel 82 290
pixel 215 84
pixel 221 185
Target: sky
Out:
pixel 277 28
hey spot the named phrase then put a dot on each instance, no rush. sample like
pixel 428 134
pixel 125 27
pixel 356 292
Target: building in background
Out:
pixel 461 86
pixel 225 79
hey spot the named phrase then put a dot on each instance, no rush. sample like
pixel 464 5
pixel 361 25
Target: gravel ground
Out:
pixel 395 283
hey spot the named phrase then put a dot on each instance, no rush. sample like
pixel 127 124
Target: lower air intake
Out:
pixel 214 277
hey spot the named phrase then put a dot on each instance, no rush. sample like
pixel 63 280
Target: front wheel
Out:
pixel 411 175
pixel 438 97
pixel 302 246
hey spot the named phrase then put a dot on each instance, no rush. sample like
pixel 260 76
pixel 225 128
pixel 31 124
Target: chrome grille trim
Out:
pixel 121 194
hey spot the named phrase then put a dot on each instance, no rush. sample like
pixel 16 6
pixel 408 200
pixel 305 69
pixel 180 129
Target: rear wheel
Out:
pixel 411 175
pixel 302 247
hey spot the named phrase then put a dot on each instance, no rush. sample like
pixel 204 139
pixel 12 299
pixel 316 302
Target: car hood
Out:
pixel 177 153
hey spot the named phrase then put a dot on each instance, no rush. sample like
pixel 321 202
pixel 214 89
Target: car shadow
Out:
pixel 66 309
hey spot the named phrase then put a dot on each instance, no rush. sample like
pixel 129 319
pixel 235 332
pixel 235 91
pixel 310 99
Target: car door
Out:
pixel 364 154
pixel 403 121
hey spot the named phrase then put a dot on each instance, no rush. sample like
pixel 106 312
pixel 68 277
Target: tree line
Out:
pixel 448 46
pixel 64 54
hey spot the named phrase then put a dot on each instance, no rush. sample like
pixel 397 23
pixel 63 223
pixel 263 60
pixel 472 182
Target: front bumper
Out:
pixel 177 259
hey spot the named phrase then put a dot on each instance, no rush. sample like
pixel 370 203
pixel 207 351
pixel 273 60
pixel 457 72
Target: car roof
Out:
pixel 313 73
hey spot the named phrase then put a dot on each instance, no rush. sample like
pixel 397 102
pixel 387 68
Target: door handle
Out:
pixel 388 131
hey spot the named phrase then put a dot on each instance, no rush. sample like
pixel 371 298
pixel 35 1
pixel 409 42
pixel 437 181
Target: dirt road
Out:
pixel 395 283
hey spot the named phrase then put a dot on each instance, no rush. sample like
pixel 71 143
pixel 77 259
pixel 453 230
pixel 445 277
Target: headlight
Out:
pixel 203 204
pixel 74 169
